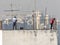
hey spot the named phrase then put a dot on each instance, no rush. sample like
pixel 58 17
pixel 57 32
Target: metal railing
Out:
pixel 23 22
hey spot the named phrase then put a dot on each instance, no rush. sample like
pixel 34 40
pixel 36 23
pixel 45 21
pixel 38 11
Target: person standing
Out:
pixel 55 24
pixel 51 23
pixel 14 23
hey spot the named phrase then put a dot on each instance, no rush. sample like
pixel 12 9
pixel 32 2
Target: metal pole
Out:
pixel 33 20
pixel 35 4
pixel 11 9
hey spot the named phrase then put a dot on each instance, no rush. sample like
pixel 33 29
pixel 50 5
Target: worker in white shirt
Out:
pixel 14 22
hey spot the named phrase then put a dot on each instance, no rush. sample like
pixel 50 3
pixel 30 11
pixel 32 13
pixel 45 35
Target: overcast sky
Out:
pixel 53 6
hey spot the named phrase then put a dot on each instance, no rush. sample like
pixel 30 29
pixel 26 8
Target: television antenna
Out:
pixel 11 9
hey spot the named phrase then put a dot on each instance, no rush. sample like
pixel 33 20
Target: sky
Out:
pixel 53 6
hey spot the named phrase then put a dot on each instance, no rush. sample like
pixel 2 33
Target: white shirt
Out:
pixel 14 19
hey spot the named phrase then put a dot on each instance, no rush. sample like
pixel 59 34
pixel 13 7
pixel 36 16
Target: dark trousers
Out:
pixel 51 26
pixel 14 25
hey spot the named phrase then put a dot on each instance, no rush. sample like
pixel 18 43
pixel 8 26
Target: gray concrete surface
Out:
pixel 0 37
pixel 58 36
pixel 29 37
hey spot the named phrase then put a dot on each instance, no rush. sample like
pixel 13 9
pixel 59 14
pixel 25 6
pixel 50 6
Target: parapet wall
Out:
pixel 29 37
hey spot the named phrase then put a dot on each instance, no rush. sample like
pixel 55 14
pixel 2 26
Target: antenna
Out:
pixel 34 5
pixel 11 9
pixel 45 11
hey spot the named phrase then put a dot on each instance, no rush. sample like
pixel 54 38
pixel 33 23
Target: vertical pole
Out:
pixel 33 20
pixel 11 9
pixel 34 5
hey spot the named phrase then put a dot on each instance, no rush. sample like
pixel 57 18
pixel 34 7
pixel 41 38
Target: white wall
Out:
pixel 0 37
pixel 29 37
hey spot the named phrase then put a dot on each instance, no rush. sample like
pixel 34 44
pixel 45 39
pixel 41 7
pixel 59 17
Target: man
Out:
pixel 51 23
pixel 55 24
pixel 14 22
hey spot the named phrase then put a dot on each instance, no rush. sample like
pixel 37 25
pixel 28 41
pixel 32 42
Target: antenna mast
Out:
pixel 11 9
